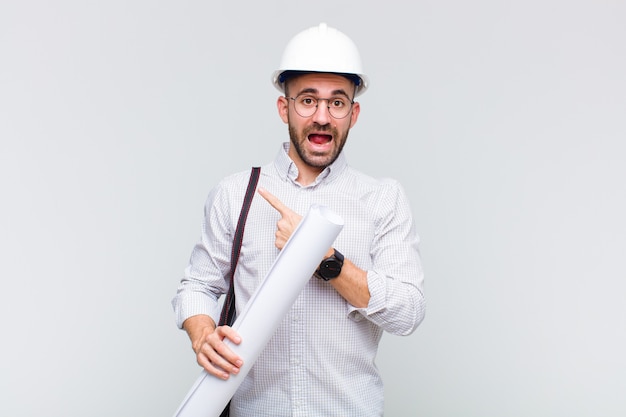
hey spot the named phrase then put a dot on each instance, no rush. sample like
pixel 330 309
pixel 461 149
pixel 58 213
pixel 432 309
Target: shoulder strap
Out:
pixel 228 309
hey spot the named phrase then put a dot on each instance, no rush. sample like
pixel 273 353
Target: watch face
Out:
pixel 330 268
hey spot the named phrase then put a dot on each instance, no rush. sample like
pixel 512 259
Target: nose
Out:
pixel 322 113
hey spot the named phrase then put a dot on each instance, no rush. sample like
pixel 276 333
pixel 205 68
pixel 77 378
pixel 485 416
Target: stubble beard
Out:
pixel 313 159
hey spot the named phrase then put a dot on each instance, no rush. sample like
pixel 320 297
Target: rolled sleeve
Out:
pixel 398 308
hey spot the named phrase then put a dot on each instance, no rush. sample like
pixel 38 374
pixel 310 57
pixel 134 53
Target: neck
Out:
pixel 306 173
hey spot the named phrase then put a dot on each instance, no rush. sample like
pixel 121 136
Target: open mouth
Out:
pixel 320 139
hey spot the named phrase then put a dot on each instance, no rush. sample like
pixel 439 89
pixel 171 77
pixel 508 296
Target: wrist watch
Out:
pixel 330 267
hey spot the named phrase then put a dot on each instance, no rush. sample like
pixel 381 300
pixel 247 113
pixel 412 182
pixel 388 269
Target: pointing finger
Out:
pixel 274 201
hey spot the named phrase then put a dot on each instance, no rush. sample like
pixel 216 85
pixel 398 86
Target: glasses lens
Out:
pixel 339 107
pixel 305 105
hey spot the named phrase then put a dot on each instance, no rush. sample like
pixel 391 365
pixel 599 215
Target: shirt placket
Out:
pixel 297 365
pixel 298 338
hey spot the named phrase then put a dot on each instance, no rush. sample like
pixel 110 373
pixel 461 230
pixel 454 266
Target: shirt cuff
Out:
pixel 195 304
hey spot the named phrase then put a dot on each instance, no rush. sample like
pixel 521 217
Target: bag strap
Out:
pixel 228 309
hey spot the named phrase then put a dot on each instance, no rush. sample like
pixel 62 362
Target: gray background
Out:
pixel 504 121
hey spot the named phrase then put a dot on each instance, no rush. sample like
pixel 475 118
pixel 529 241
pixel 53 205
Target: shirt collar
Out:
pixel 287 169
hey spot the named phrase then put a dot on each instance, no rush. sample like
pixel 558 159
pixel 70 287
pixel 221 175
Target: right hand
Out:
pixel 211 351
pixel 289 219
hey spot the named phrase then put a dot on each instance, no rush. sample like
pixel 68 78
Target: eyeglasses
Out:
pixel 306 105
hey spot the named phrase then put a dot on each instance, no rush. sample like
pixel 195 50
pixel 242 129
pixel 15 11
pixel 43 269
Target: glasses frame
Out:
pixel 317 102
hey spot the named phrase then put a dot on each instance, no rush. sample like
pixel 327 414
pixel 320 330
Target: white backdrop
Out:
pixel 504 121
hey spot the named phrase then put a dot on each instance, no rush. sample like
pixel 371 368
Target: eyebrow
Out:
pixel 315 91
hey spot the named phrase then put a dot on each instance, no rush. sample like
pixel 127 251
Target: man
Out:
pixel 321 359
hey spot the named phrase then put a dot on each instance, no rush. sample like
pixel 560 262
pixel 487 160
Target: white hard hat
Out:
pixel 321 49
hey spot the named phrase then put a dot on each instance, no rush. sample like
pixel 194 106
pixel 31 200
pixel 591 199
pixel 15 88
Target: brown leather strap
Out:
pixel 228 309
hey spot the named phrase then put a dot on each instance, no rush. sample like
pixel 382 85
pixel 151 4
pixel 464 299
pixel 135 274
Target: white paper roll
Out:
pixel 269 304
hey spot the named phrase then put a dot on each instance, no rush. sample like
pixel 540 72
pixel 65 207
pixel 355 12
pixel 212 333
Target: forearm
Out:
pixel 351 284
pixel 197 327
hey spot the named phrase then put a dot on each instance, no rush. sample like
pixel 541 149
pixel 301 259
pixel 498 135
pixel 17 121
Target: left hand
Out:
pixel 289 219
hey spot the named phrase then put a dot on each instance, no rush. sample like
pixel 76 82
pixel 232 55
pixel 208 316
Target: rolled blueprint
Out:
pixel 292 269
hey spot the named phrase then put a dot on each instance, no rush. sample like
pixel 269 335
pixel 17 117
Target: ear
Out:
pixel 283 108
pixel 356 109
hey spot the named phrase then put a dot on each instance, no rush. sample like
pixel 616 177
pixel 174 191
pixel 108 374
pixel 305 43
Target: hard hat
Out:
pixel 321 49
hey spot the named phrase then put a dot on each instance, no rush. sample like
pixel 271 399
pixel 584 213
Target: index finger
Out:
pixel 274 201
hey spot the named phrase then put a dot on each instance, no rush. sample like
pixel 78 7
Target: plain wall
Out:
pixel 503 120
